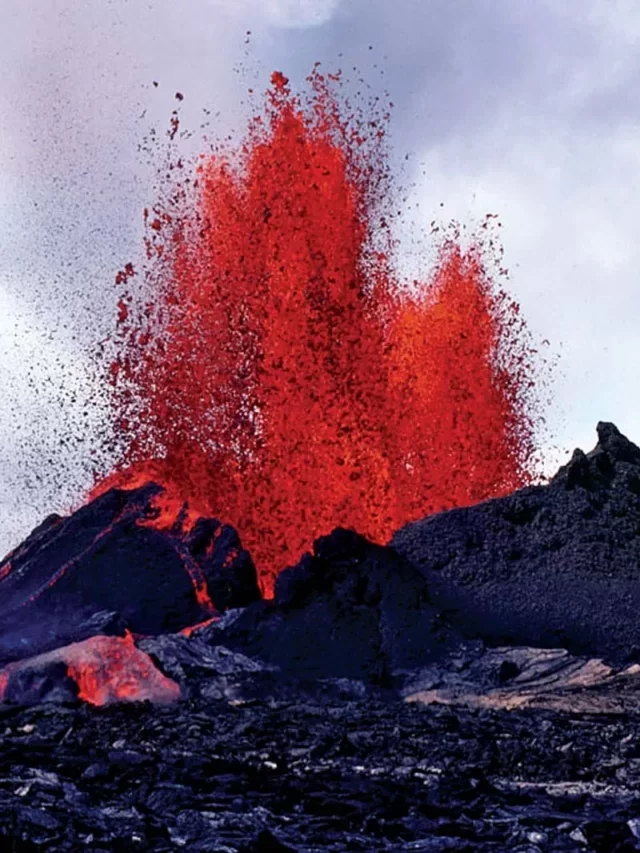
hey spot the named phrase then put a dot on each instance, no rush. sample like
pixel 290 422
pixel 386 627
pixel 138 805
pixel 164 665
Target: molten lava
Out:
pixel 112 669
pixel 272 370
pixel 105 670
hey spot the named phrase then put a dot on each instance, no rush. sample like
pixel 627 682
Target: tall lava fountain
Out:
pixel 272 371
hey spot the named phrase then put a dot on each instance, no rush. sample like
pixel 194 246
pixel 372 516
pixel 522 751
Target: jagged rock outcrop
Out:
pixel 351 609
pixel 554 565
pixel 106 567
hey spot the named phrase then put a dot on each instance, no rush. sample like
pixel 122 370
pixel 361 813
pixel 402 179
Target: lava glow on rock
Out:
pixel 272 370
pixel 104 670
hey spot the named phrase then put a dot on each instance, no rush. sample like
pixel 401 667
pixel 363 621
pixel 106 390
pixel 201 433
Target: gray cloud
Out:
pixel 288 14
pixel 450 64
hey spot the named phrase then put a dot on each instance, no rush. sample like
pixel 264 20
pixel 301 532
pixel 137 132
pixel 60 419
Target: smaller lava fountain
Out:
pixel 271 370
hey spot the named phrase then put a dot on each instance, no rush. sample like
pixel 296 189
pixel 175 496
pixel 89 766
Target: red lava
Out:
pixel 273 371
pixel 106 669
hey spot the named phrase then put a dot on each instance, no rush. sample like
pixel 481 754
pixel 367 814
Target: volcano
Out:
pixel 107 566
pixel 549 565
pixel 316 599
pixel 473 685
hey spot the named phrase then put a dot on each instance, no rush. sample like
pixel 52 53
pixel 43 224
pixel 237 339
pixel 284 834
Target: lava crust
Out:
pixel 555 565
pixel 351 610
pixel 210 777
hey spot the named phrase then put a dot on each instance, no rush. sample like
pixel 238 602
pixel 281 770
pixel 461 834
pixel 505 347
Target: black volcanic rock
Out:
pixel 550 565
pixel 105 567
pixel 33 685
pixel 351 610
pixel 373 777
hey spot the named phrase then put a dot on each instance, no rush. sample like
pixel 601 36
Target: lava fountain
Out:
pixel 271 369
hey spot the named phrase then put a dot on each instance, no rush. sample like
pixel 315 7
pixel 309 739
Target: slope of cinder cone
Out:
pixel 351 610
pixel 109 564
pixel 550 565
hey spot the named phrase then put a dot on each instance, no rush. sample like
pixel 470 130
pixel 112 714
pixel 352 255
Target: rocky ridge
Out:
pixel 554 565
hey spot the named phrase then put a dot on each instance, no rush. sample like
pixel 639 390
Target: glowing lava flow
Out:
pixel 270 368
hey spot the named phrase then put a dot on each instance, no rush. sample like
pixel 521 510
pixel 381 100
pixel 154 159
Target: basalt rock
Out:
pixel 351 610
pixel 369 776
pixel 554 565
pixel 106 567
pixel 287 736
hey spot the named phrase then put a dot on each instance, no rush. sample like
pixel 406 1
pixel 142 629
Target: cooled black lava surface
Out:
pixel 102 568
pixel 362 776
pixel 352 609
pixel 552 565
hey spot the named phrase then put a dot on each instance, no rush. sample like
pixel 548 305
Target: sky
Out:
pixel 526 110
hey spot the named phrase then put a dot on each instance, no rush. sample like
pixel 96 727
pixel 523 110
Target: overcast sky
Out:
pixel 530 110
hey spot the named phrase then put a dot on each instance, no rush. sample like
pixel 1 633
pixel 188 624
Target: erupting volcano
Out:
pixel 273 371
